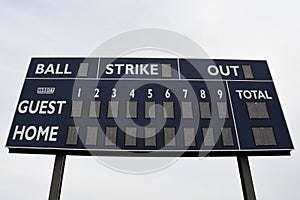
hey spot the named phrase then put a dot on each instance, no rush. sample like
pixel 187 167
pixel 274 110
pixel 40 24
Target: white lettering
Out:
pixel 66 69
pixel 154 69
pixel 227 73
pixel 129 68
pixel 57 69
pixel 17 132
pixel 213 70
pixel 41 107
pixel 33 131
pixel 51 69
pixel 53 134
pixel 247 94
pixel 119 66
pixel 144 69
pixel 39 69
pixel 253 94
pixel 240 93
pixel 235 68
pixel 132 69
pixel 109 69
pixel 49 133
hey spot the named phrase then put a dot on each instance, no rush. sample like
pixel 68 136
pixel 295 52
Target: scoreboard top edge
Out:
pixel 158 58
pixel 148 68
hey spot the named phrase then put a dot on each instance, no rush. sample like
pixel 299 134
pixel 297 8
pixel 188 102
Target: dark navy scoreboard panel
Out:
pixel 153 106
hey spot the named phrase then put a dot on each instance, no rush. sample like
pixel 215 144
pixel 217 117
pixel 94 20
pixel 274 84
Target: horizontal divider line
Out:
pixel 145 79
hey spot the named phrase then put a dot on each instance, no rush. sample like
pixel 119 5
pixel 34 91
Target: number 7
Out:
pixel 185 92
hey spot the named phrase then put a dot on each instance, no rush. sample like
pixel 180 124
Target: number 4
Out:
pixel 132 94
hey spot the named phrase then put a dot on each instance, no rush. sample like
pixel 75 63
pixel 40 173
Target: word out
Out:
pixel 226 70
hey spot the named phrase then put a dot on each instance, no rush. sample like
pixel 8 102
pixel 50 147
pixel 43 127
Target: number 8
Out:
pixel 202 94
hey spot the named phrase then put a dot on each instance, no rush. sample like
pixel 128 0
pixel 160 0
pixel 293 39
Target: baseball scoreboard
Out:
pixel 149 107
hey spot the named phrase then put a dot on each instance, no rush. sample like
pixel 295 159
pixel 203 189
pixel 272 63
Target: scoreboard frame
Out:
pixel 233 74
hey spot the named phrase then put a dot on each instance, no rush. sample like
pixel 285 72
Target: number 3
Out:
pixel 114 93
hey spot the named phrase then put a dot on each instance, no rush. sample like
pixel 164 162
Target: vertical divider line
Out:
pixel 98 67
pixel 178 66
pixel 233 116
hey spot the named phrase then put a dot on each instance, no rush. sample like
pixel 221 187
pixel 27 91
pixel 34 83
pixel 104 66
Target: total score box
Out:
pixel 149 107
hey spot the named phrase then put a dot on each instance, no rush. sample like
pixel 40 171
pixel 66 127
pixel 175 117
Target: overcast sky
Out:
pixel 267 30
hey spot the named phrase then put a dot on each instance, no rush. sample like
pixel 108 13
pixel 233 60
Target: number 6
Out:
pixel 168 94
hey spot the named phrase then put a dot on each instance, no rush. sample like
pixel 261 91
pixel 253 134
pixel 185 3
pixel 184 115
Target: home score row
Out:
pixel 149 107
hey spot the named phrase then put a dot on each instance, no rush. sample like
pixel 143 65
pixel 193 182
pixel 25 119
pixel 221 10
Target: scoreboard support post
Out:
pixel 57 177
pixel 246 178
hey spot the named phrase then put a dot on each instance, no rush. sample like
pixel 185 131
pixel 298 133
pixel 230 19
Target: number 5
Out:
pixel 150 94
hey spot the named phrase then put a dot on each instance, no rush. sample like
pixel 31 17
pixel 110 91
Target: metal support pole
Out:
pixel 57 177
pixel 246 178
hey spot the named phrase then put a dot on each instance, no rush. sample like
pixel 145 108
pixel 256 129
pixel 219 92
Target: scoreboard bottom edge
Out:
pixel 119 153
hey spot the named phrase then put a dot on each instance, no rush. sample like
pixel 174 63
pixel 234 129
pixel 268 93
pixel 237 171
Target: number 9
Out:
pixel 220 93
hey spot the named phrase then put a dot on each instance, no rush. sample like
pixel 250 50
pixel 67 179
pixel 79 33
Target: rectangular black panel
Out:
pixel 189 137
pixel 205 112
pixel 257 110
pixel 95 109
pixel 131 109
pixel 91 135
pixel 111 136
pixel 150 136
pixel 227 136
pixel 149 107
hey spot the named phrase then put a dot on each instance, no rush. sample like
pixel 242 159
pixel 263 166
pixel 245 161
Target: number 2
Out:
pixel 97 91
